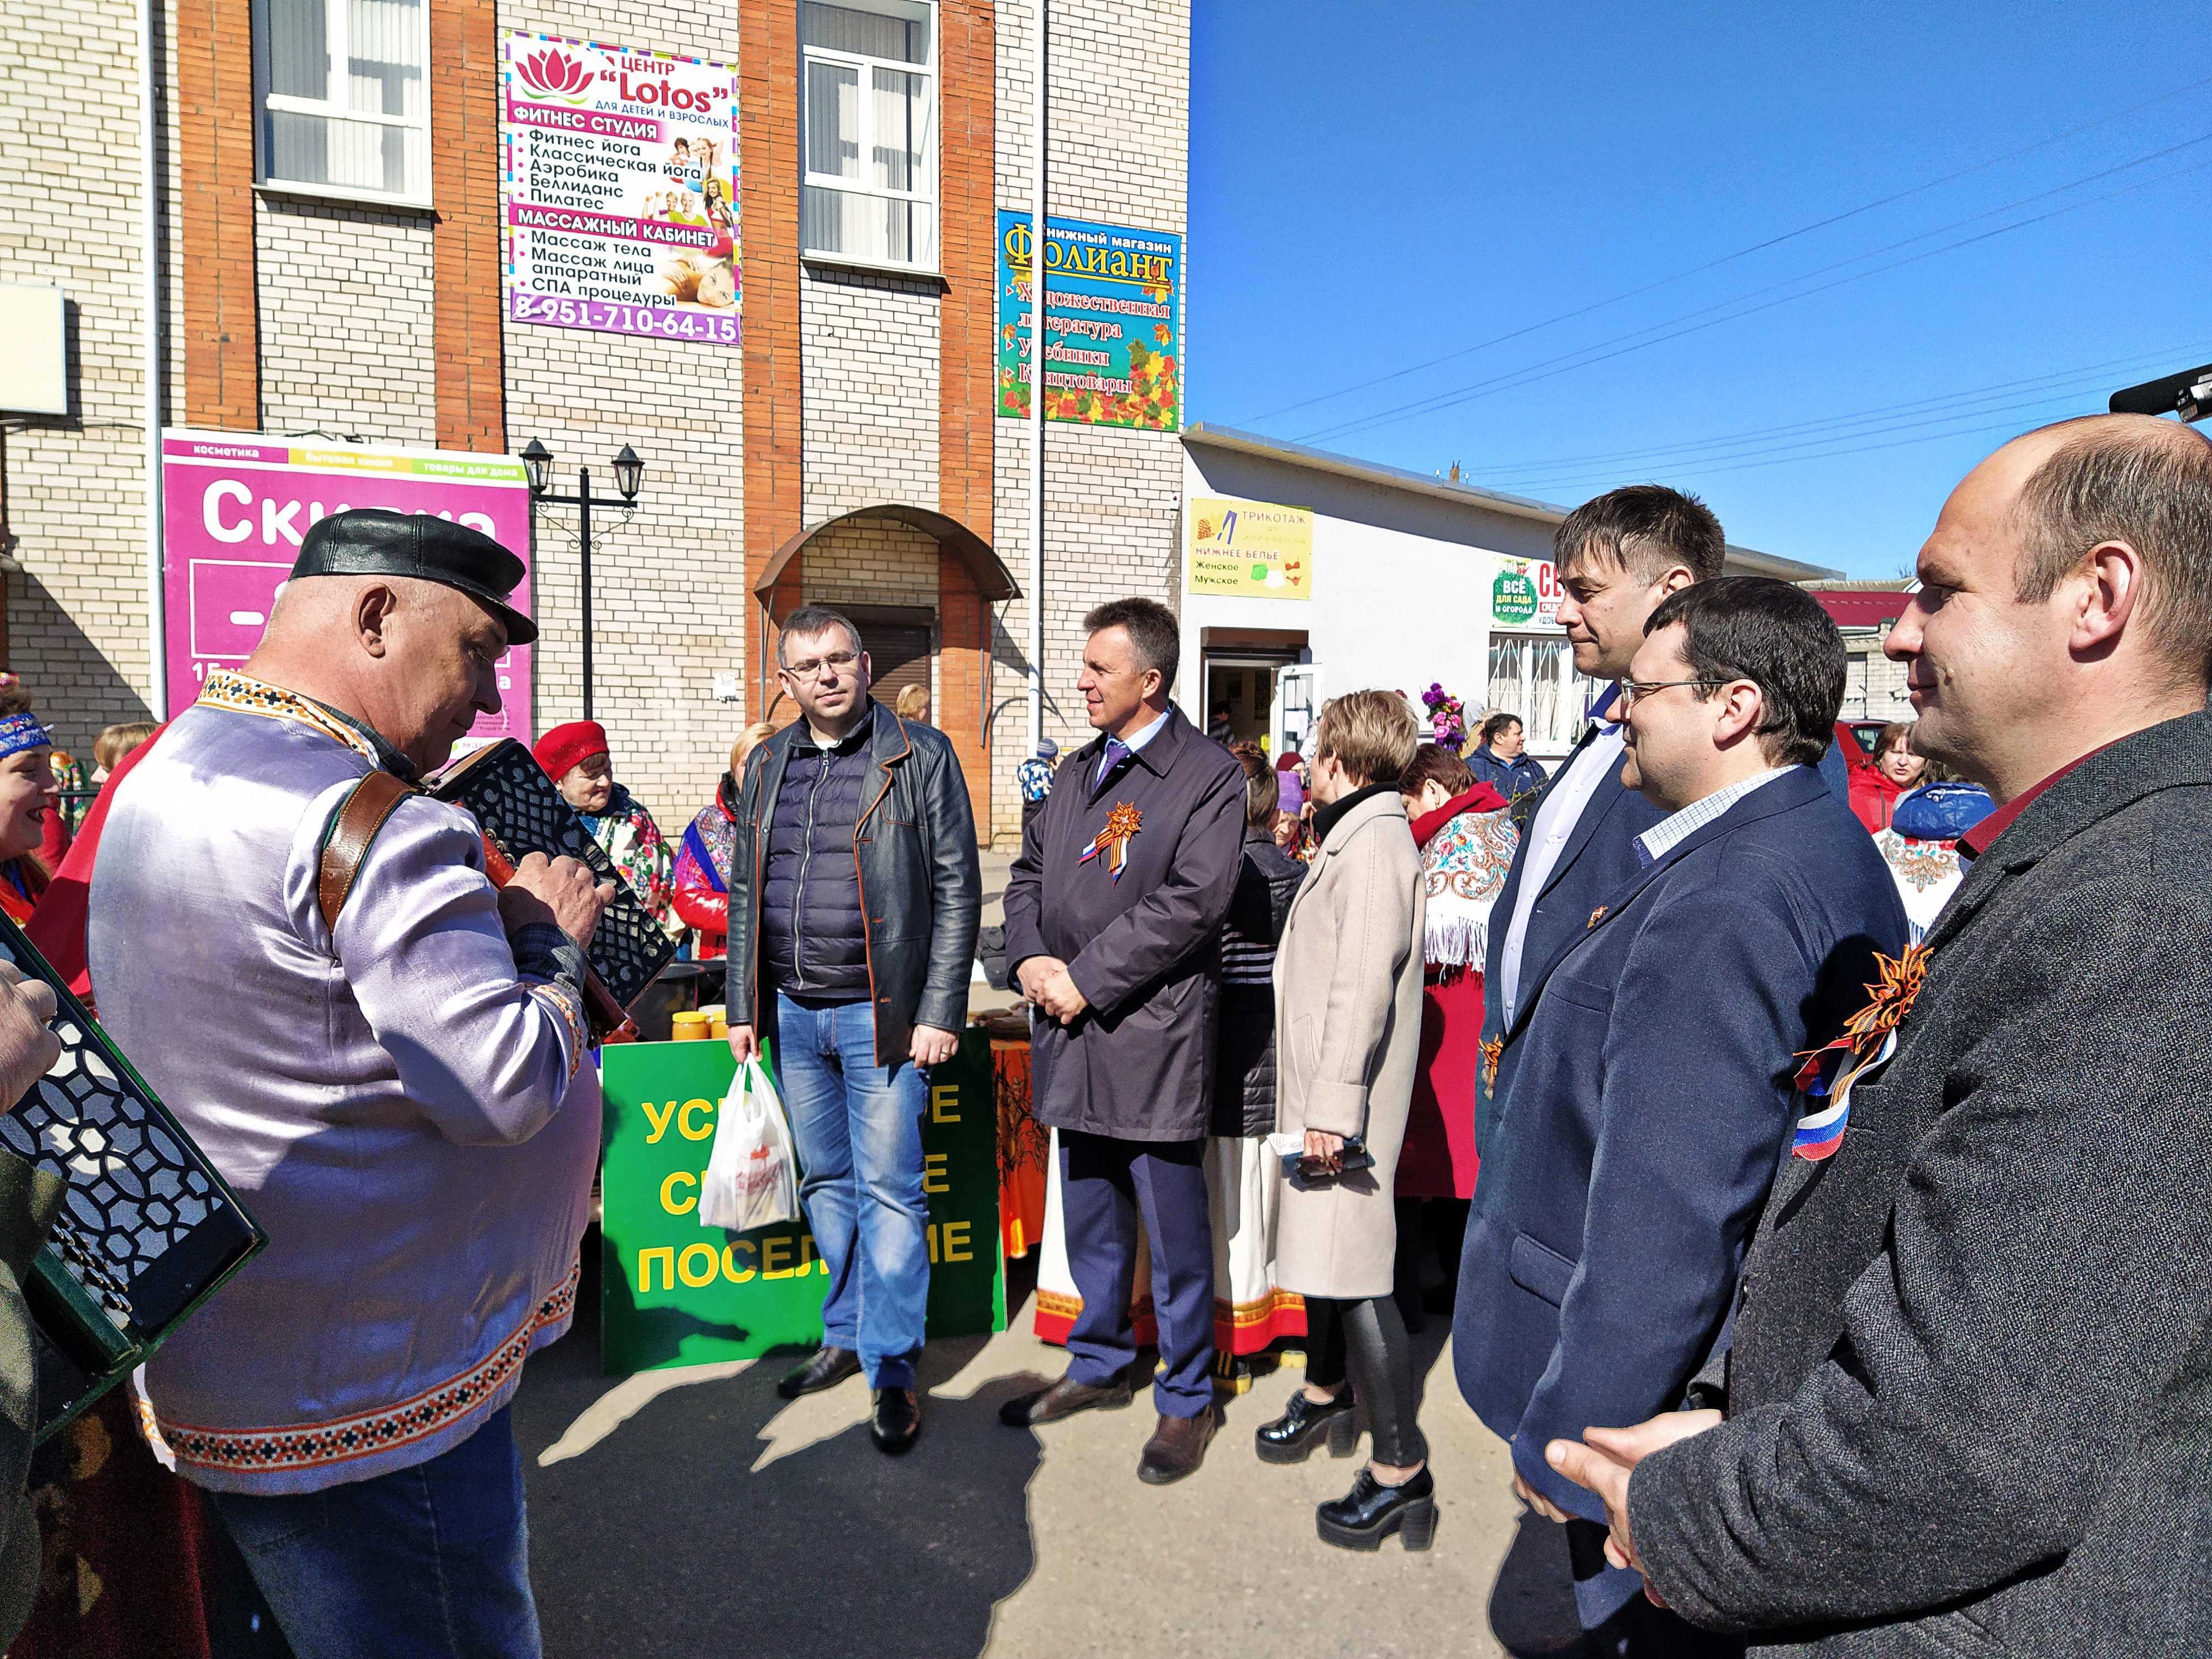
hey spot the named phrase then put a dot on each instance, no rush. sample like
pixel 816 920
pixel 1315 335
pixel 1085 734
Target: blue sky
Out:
pixel 1377 185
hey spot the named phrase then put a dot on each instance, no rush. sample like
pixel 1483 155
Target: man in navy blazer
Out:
pixel 1618 555
pixel 1651 1093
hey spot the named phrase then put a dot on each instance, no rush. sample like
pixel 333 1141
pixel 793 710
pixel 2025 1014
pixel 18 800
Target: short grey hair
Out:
pixel 815 619
pixel 2135 479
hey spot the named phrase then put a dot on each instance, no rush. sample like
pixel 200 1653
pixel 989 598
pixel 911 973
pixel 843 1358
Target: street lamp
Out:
pixel 630 474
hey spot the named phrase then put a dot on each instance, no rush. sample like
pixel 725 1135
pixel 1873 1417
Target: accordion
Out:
pixel 148 1230
pixel 520 812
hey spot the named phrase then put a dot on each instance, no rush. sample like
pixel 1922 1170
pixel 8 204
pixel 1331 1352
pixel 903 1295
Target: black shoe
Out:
pixel 829 1367
pixel 1292 1438
pixel 1371 1512
pixel 1064 1399
pixel 895 1424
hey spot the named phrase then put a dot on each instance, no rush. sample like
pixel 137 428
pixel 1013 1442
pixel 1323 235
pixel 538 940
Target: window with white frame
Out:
pixel 343 97
pixel 1533 675
pixel 871 128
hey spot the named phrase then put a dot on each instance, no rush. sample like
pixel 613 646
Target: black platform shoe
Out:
pixel 1371 1512
pixel 1292 1438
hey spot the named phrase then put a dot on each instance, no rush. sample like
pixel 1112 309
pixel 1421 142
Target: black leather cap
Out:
pixel 368 541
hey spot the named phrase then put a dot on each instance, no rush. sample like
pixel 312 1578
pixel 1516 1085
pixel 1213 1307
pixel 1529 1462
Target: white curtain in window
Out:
pixel 902 136
pixel 864 33
pixel 833 120
pixel 384 46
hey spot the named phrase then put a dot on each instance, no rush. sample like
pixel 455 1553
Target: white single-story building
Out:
pixel 1307 574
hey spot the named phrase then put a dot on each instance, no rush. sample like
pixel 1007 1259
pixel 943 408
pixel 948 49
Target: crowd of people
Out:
pixel 1809 1148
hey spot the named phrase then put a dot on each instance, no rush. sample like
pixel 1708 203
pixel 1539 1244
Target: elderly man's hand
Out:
pixel 1033 973
pixel 933 1046
pixel 1059 997
pixel 27 1049
pixel 1606 1457
pixel 559 890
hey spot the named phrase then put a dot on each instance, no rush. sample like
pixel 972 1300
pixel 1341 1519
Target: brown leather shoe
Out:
pixel 1064 1399
pixel 1177 1447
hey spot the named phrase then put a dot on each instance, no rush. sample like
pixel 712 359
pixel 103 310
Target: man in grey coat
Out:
pixel 1966 1405
pixel 1114 914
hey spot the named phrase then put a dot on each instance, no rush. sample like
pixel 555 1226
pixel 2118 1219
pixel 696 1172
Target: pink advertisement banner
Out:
pixel 235 509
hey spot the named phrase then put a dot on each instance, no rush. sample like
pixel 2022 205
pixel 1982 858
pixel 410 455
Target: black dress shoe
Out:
pixel 1292 1438
pixel 829 1367
pixel 1371 1512
pixel 895 1424
pixel 1064 1399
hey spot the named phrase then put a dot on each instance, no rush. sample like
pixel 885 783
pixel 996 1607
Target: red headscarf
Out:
pixel 567 747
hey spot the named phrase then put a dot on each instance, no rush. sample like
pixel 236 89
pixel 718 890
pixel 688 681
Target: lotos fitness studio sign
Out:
pixel 672 1292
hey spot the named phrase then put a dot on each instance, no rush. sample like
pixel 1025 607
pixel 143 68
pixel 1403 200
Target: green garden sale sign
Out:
pixel 675 1293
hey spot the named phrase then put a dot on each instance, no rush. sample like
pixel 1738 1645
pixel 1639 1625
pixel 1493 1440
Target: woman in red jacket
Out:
pixel 702 896
pixel 1895 769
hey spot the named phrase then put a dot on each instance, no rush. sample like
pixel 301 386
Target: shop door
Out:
pixel 1296 706
pixel 1238 695
pixel 899 653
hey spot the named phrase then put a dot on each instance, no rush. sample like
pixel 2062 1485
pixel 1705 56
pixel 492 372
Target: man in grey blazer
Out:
pixel 1966 1405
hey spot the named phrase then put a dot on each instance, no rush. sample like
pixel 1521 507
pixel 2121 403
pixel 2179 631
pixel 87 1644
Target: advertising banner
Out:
pixel 1113 324
pixel 237 506
pixel 672 1292
pixel 1249 550
pixel 1524 594
pixel 619 180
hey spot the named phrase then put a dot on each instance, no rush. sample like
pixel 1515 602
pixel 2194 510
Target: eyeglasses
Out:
pixel 838 662
pixel 1631 689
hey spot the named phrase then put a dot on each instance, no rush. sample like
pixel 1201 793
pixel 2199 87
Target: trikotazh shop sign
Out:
pixel 1113 324
pixel 1249 549
pixel 619 178
pixel 672 1292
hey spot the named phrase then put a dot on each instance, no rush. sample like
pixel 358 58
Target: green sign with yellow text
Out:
pixel 672 1292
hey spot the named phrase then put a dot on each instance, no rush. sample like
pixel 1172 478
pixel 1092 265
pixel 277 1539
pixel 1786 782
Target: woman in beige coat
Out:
pixel 1348 1036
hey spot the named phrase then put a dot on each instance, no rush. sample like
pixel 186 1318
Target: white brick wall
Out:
pixel 668 600
pixel 349 333
pixel 870 360
pixel 74 485
pixel 1119 75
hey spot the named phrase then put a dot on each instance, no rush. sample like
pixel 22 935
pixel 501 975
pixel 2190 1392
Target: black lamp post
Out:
pixel 630 474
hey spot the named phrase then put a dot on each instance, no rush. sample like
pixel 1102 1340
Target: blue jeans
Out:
pixel 858 1129
pixel 431 1562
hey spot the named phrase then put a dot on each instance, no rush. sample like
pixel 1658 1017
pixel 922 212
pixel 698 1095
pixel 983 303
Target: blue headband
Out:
pixel 21 732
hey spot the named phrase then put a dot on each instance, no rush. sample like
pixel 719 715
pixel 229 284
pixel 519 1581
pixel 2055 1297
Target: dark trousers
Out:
pixel 1367 1337
pixel 1105 1186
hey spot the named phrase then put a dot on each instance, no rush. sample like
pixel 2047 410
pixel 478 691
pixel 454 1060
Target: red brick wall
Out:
pixel 214 242
pixel 968 47
pixel 767 150
pixel 464 184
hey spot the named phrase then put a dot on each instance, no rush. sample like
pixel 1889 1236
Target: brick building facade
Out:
pixel 846 451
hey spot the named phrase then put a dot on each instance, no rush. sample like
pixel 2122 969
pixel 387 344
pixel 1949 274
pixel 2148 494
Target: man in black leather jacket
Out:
pixel 854 899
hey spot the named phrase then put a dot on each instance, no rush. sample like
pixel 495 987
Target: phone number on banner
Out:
pixel 625 319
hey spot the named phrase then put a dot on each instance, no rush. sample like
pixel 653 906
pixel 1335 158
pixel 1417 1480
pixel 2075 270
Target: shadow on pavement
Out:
pixel 660 1541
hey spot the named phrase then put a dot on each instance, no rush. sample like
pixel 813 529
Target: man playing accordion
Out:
pixel 384 1055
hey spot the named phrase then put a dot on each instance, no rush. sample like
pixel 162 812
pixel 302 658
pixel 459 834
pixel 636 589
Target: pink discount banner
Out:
pixel 237 506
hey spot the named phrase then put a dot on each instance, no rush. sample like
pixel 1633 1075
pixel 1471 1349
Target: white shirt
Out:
pixel 1670 832
pixel 1133 744
pixel 1554 827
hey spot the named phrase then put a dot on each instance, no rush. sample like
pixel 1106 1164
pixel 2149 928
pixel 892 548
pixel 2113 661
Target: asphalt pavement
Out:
pixel 692 1513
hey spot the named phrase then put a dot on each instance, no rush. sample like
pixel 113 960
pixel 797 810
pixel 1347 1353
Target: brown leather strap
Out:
pixel 374 799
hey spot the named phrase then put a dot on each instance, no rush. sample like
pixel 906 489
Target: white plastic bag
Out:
pixel 752 1179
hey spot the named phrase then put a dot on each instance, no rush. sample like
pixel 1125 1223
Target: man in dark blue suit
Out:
pixel 1619 555
pixel 1649 1095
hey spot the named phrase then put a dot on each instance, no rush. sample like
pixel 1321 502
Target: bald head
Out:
pixel 416 660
